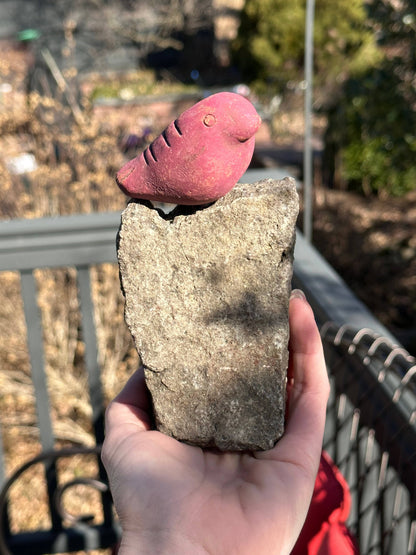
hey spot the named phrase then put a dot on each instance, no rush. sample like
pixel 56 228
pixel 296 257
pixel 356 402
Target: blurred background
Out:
pixel 86 85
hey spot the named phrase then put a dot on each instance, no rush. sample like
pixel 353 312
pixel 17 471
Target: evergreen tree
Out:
pixel 270 43
pixel 370 144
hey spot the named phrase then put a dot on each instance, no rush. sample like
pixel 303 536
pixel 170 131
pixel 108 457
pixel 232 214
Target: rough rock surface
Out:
pixel 207 305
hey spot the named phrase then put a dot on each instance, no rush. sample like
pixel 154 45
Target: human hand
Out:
pixel 178 499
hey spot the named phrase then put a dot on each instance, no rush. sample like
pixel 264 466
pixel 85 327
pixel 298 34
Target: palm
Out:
pixel 220 503
pixel 219 495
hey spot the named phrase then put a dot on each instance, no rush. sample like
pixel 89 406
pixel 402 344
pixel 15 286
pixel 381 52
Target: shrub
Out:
pixel 370 144
pixel 270 42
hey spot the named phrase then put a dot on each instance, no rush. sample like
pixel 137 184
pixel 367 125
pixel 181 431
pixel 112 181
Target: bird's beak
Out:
pixel 249 127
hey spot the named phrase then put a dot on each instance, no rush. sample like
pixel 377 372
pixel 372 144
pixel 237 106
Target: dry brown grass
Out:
pixel 67 382
pixel 76 165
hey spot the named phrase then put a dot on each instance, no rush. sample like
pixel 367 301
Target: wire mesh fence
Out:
pixel 371 435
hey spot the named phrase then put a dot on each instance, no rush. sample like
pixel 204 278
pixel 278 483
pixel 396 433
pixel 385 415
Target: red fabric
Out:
pixel 324 531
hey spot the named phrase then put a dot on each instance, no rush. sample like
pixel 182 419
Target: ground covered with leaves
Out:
pixel 371 242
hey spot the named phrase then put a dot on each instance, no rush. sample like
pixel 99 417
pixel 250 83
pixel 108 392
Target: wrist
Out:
pixel 162 543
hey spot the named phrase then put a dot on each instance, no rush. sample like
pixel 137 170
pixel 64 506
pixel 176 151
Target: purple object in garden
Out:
pixel 199 157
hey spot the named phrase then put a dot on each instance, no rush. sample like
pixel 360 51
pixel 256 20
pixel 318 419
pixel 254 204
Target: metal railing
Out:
pixel 79 242
pixel 371 424
pixel 371 418
pixel 371 434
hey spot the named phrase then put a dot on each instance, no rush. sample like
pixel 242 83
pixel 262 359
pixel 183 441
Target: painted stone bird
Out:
pixel 199 157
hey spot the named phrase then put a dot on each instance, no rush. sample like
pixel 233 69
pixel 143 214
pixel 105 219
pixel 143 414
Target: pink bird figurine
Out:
pixel 199 157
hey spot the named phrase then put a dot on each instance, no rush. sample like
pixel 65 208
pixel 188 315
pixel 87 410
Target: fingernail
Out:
pixel 298 294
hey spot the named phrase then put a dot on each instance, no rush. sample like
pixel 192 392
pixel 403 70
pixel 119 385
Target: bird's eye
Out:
pixel 209 120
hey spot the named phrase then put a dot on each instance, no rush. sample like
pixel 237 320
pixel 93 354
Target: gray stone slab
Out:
pixel 207 305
